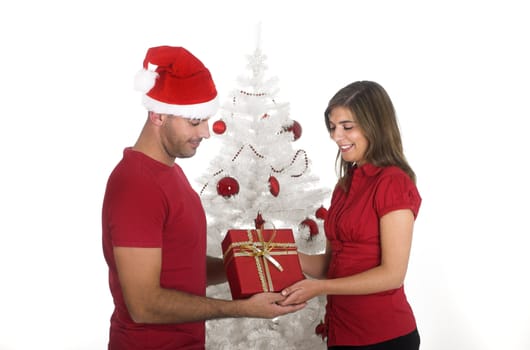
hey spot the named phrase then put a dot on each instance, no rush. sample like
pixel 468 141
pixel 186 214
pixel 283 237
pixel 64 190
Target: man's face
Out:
pixel 181 137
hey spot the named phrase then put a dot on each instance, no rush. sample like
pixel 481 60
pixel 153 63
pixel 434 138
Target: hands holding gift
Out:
pixel 259 264
pixel 314 266
pixel 268 305
pixel 301 292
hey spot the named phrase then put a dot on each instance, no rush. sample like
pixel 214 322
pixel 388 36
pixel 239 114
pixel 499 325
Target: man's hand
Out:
pixel 269 305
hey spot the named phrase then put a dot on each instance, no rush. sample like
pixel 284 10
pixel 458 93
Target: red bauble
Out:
pixel 274 186
pixel 321 213
pixel 312 225
pixel 219 127
pixel 259 222
pixel 227 186
pixel 296 129
pixel 321 330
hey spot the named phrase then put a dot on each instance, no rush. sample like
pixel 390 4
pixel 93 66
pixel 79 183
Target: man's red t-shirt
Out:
pixel 149 204
pixel 352 227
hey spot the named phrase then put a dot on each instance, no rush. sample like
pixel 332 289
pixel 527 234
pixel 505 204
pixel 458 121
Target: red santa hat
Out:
pixel 176 82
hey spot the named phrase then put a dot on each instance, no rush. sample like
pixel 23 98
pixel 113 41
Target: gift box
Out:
pixel 260 261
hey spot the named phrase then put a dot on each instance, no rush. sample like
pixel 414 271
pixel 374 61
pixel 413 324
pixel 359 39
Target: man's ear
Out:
pixel 156 118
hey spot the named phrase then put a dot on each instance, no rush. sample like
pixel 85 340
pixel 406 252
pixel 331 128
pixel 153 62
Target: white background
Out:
pixel 457 71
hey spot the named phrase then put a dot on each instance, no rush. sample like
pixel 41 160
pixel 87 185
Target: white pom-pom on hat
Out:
pixel 145 80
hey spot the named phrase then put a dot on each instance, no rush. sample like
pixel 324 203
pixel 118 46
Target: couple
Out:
pixel 154 226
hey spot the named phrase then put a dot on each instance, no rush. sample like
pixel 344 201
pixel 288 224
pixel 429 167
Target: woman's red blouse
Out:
pixel 352 227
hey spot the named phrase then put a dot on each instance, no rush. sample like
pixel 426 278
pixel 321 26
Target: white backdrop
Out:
pixel 457 71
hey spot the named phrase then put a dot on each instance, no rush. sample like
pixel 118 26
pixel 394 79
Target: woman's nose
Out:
pixel 336 135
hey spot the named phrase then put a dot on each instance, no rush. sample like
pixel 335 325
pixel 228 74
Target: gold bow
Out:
pixel 262 251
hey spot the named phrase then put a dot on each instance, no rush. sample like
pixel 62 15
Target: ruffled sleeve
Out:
pixel 396 191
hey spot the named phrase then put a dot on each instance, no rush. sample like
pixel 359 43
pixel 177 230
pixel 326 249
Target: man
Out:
pixel 154 226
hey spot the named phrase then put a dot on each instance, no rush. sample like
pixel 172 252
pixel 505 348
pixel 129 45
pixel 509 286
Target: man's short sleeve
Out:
pixel 136 212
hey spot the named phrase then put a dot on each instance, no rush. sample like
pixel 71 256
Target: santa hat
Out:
pixel 176 82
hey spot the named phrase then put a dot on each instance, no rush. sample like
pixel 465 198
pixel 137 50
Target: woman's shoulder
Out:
pixel 392 170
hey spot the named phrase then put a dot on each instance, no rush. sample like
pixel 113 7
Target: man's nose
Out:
pixel 204 130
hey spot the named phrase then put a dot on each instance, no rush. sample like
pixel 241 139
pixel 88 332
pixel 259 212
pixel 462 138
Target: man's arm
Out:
pixel 215 270
pixel 139 274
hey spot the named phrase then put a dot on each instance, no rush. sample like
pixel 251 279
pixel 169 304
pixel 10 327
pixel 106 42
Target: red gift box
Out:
pixel 260 261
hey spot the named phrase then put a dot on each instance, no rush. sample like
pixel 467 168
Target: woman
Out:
pixel 368 228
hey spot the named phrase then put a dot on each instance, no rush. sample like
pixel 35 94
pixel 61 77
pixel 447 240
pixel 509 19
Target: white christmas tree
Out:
pixel 258 180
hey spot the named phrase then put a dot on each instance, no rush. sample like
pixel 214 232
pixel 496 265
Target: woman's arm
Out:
pixel 316 266
pixel 396 239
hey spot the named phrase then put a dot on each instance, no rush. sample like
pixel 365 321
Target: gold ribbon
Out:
pixel 262 252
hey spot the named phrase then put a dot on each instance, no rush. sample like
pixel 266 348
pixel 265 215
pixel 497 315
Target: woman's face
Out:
pixel 348 135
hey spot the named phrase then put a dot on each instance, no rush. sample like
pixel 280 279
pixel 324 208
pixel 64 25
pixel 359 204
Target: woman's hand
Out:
pixel 269 305
pixel 302 291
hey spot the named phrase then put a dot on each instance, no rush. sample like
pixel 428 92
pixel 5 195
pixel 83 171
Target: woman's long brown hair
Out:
pixel 375 113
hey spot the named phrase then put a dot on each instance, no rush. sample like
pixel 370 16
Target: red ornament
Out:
pixel 219 127
pixel 321 213
pixel 321 329
pixel 274 186
pixel 227 186
pixel 296 129
pixel 312 225
pixel 259 222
